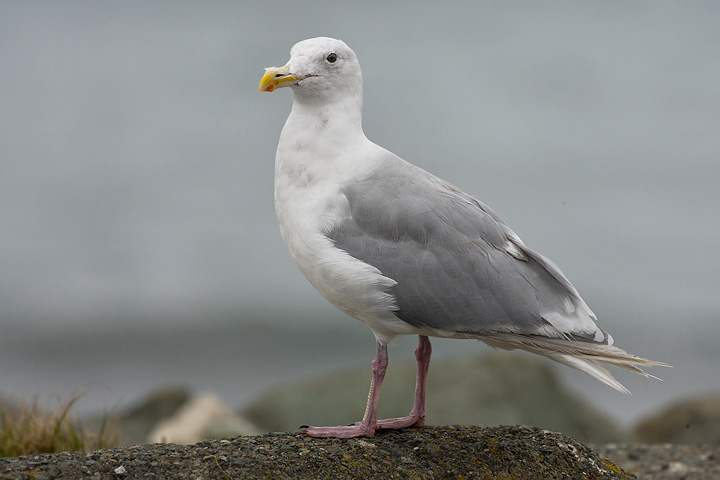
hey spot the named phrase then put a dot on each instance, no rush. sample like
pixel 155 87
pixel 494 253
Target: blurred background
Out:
pixel 138 244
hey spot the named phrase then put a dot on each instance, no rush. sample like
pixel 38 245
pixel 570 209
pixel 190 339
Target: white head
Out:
pixel 320 70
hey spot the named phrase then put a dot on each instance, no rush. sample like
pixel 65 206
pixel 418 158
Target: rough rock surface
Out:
pixel 666 461
pixel 693 420
pixel 422 453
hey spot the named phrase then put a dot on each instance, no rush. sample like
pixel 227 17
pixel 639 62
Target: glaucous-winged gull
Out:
pixel 405 252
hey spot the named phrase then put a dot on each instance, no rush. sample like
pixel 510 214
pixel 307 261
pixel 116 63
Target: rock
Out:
pixel 420 453
pixel 666 461
pixel 8 406
pixel 203 417
pixel 492 389
pixel 692 421
pixel 135 424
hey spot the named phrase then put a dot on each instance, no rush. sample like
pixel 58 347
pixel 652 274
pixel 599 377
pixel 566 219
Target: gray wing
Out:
pixel 457 264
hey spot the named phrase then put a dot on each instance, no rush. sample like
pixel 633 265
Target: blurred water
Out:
pixel 240 360
pixel 137 237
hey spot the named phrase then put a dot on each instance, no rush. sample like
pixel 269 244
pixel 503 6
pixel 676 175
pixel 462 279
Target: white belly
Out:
pixel 305 210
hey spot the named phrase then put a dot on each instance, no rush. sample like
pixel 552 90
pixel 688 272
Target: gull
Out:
pixel 405 252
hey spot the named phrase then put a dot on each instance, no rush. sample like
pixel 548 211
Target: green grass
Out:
pixel 26 428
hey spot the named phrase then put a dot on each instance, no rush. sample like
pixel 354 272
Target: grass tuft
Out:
pixel 26 428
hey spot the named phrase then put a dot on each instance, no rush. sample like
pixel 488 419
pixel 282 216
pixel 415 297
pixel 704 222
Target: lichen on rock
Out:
pixel 506 452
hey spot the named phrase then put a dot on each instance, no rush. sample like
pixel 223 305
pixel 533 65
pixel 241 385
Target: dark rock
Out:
pixel 135 424
pixel 204 417
pixel 494 389
pixel 422 453
pixel 696 420
pixel 666 461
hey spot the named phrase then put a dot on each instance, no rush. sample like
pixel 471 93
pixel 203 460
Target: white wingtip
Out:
pixel 592 368
pixel 584 356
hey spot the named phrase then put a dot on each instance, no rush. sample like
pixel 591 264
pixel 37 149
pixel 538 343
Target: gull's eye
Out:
pixel 332 57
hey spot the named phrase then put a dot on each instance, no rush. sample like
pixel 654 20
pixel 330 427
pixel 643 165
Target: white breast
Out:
pixel 308 203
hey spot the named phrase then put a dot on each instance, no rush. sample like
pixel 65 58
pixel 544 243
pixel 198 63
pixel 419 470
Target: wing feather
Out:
pixel 458 266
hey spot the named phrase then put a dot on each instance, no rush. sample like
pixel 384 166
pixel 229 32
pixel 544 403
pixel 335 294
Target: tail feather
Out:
pixel 591 367
pixel 584 356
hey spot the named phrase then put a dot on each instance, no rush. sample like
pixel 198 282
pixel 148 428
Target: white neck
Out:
pixel 322 129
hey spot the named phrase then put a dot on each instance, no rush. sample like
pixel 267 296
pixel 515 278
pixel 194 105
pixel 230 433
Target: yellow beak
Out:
pixel 278 77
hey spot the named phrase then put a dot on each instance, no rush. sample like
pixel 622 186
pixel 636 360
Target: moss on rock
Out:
pixel 507 452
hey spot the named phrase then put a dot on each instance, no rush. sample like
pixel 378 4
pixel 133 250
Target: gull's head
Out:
pixel 319 69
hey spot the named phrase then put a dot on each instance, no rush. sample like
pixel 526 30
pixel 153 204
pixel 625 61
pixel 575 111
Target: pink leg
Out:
pixel 417 414
pixel 366 427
